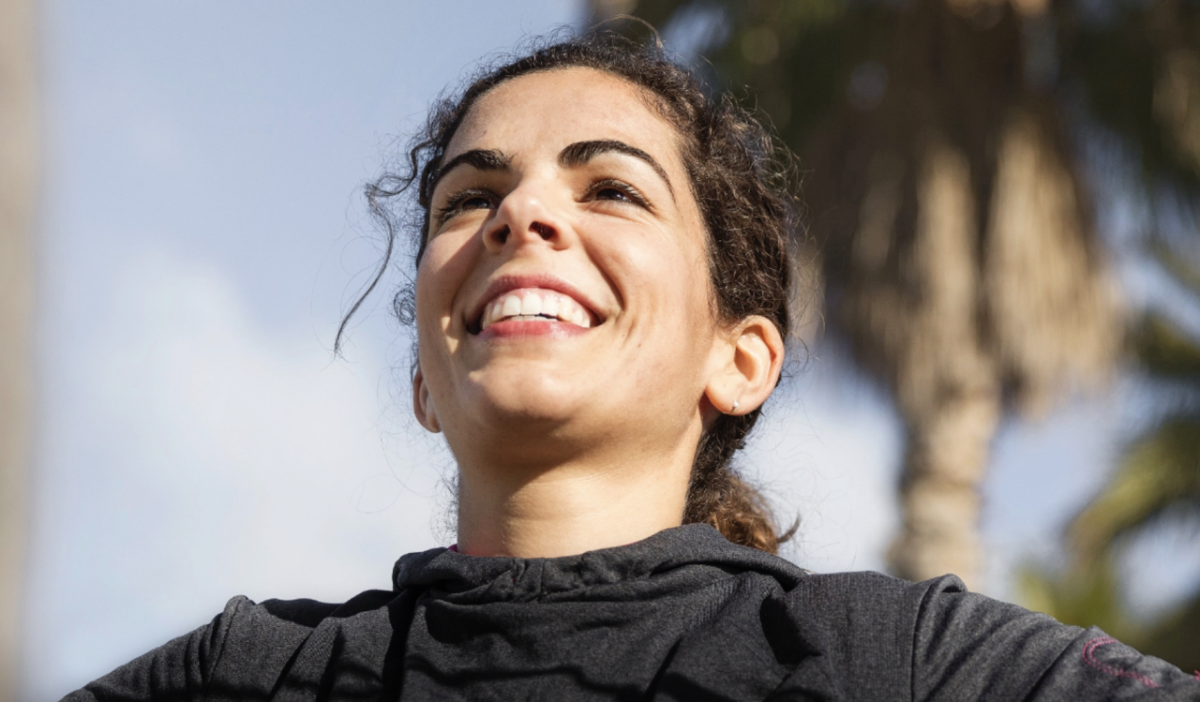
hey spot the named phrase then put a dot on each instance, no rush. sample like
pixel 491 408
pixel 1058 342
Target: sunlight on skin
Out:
pixel 574 437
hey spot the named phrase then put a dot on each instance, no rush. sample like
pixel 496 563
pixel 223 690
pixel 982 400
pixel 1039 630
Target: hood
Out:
pixel 673 560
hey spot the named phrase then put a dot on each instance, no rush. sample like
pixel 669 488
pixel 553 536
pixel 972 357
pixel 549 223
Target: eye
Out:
pixel 475 202
pixel 611 193
pixel 617 191
pixel 471 199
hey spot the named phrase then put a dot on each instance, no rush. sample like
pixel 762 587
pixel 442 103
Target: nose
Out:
pixel 523 218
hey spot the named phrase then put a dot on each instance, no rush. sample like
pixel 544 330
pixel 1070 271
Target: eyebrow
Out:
pixel 479 159
pixel 581 152
pixel 576 154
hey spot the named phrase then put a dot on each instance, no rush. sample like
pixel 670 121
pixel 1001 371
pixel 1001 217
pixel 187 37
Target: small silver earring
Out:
pixel 735 406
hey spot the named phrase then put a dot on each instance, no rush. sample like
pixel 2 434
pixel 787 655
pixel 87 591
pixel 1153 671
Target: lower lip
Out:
pixel 519 329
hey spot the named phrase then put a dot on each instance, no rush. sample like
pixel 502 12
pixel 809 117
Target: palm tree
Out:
pixel 1157 479
pixel 17 174
pixel 956 241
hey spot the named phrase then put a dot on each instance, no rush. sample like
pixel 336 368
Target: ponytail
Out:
pixel 719 496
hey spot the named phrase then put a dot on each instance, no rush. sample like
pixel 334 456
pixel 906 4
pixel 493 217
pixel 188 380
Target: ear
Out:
pixel 750 360
pixel 423 403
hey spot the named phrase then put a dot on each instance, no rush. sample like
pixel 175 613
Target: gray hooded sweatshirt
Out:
pixel 683 615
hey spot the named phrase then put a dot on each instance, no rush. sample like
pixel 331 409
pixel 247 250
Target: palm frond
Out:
pixel 1183 270
pixel 1166 352
pixel 1159 475
pixel 1092 596
pixel 1089 597
pixel 1176 637
pixel 1138 68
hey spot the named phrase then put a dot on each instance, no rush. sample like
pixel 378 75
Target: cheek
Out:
pixel 691 304
pixel 427 304
pixel 433 300
pixel 668 288
pixel 441 273
pixel 680 273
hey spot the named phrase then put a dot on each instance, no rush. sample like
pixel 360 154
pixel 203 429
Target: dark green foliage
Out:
pixel 1158 478
pixel 1119 52
pixel 1165 351
pixel 1174 638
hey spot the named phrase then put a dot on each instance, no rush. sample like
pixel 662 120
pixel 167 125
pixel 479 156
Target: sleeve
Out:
pixel 243 654
pixel 178 670
pixel 967 646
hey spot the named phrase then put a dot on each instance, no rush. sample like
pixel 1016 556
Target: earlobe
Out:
pixel 423 403
pixel 749 367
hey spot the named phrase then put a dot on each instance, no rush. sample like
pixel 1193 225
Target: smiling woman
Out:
pixel 579 214
pixel 601 302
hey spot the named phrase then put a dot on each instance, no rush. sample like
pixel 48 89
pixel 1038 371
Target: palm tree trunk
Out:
pixel 945 382
pixel 18 157
pixel 945 462
pixel 967 278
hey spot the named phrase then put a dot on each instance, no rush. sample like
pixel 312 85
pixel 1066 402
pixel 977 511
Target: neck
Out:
pixel 570 507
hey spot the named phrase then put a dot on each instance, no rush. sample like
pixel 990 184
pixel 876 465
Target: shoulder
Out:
pixel 889 635
pixel 864 624
pixel 924 620
pixel 269 633
pixel 937 641
pixel 307 613
pixel 928 609
pixel 246 647
pixel 872 585
pixel 871 600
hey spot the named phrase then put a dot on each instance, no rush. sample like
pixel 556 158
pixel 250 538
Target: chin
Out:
pixel 531 397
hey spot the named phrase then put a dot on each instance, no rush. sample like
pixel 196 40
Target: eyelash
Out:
pixel 635 196
pixel 454 204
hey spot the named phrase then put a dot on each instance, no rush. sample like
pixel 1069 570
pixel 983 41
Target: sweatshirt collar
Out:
pixel 673 560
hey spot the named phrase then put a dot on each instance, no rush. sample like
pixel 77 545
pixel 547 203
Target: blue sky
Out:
pixel 202 232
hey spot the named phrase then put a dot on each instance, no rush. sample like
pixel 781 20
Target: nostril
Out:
pixel 502 234
pixel 543 230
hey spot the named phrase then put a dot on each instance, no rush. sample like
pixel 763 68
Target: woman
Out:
pixel 601 302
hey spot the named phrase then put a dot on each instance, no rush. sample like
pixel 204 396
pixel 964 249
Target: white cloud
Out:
pixel 827 453
pixel 205 457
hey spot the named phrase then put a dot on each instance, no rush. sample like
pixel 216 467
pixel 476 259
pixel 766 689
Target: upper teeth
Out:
pixel 535 302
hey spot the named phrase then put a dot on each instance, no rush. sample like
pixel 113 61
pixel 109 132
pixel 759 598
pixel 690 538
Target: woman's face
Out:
pixel 563 299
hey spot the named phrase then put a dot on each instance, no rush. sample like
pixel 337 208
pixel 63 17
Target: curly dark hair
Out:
pixel 742 180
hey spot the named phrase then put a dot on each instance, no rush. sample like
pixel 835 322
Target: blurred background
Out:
pixel 1001 266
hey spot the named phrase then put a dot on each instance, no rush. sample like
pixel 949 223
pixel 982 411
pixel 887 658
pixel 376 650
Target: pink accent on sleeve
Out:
pixel 453 547
pixel 1089 651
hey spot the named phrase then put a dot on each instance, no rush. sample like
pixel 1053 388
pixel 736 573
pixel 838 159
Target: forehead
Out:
pixel 563 106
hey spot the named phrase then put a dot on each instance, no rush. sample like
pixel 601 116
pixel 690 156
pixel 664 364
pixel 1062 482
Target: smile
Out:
pixel 533 305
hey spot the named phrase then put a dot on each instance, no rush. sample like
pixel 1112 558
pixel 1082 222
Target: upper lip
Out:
pixel 507 283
